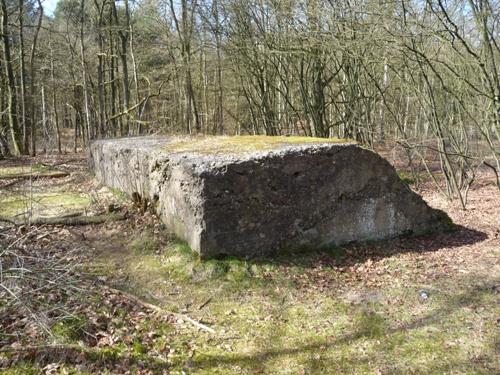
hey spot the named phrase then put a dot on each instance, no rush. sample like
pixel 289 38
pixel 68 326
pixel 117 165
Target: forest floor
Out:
pixel 126 297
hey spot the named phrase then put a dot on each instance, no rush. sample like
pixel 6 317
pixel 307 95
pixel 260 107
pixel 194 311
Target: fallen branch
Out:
pixel 68 220
pixel 7 220
pixel 61 162
pixel 162 311
pixel 209 299
pixel 9 184
pixel 55 174
pixel 194 322
pixel 41 348
pixel 78 220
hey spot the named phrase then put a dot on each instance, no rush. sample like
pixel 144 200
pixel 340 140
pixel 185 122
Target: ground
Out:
pixel 126 297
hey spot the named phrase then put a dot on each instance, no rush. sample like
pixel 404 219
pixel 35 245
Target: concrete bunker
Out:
pixel 249 196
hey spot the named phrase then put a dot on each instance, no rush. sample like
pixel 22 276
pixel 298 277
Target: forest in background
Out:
pixel 422 75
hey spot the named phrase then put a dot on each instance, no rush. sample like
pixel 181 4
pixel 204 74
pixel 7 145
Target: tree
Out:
pixel 11 82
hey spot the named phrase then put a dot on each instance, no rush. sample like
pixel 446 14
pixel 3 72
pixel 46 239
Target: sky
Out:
pixel 49 6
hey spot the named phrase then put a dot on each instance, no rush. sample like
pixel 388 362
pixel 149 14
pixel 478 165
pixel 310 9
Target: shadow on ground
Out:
pixel 372 326
pixel 354 253
pixel 323 353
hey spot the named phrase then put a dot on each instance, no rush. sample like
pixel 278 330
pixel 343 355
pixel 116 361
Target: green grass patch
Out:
pixel 370 324
pixel 407 177
pixel 109 354
pixel 24 205
pixel 71 328
pixel 23 368
pixel 277 316
pixel 35 170
pixel 145 243
pixel 23 169
pixel 119 195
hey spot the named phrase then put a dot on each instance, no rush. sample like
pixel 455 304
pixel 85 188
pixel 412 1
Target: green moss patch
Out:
pixel 18 206
pixel 34 171
pixel 244 144
pixel 71 328
pixel 407 177
pixel 144 244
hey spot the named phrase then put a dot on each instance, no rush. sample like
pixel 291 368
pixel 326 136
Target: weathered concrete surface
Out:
pixel 253 202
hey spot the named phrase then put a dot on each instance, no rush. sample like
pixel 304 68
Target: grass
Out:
pixel 266 322
pixel 407 177
pixel 35 170
pixel 144 244
pixel 17 170
pixel 244 144
pixel 286 316
pixel 15 205
pixel 71 328
pixel 119 195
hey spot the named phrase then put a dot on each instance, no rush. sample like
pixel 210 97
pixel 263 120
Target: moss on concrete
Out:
pixel 243 144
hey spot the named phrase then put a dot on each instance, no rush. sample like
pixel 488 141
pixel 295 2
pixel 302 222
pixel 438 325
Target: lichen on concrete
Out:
pixel 249 196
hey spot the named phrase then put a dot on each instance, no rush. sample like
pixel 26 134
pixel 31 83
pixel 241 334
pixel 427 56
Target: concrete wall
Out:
pixel 256 203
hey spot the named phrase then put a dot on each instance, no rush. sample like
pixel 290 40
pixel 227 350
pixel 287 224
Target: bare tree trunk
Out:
pixel 112 78
pixel 381 134
pixel 44 117
pixel 124 40
pixel 11 82
pixel 136 79
pixel 185 31
pixel 100 68
pixel 84 72
pixel 219 105
pixel 4 124
pixel 54 99
pixel 204 83
pixel 22 77
pixel 33 79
